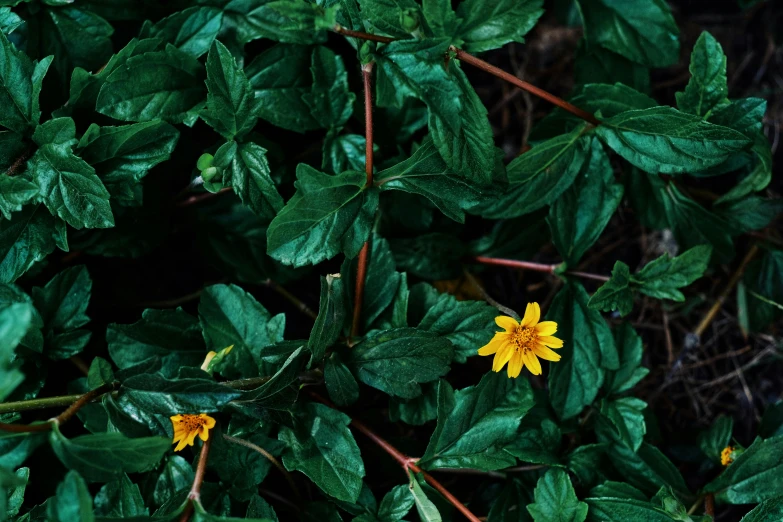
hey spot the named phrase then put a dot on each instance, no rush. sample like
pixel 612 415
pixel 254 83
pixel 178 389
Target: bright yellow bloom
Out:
pixel 727 456
pixel 187 426
pixel 521 344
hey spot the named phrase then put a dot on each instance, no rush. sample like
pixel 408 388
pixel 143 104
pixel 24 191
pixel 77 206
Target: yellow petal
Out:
pixel 546 328
pixel 545 353
pixel 176 418
pixel 515 365
pixel 192 437
pixel 504 354
pixel 532 315
pixel 552 342
pixel 532 363
pixel 210 422
pixel 181 445
pixel 509 324
pixel 203 433
pixel 494 345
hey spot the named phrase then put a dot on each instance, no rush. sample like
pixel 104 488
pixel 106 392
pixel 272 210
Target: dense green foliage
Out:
pixel 128 124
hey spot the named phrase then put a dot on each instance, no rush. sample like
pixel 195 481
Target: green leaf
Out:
pixel 343 152
pixel 662 277
pixel 434 256
pixel 250 177
pixel 73 502
pixel 15 497
pixel 707 88
pixel 713 440
pixel 745 115
pixel 155 394
pixel 176 475
pixel 70 189
pixel 321 446
pixel 15 192
pixel 621 421
pixel 240 467
pixel 327 215
pixel 63 305
pixel 330 101
pixel 419 66
pixel 749 213
pixel 331 317
pixel 260 508
pixel 771 509
pixel 396 504
pixel 230 316
pixel 191 30
pixel 171 335
pixel 76 37
pixel 21 80
pixel 120 498
pixel 105 456
pixel 594 64
pixel 58 131
pixel 665 140
pixel 254 19
pixel 476 423
pixel 588 351
pixel 340 383
pixel 539 176
pixel 615 294
pixel 425 173
pixel 125 154
pixel 9 21
pixel 397 361
pixel 100 373
pixel 385 15
pixel 486 24
pixel 465 323
pixel 470 150
pixel 281 79
pixel 539 446
pixel 155 85
pixel 14 323
pixel 427 510
pixel 440 17
pixel 643 31
pixel 556 500
pixel 754 476
pixel 763 276
pixel 230 98
pixel 381 281
pixel 610 509
pixel 578 217
pixel 647 469
pixel 630 350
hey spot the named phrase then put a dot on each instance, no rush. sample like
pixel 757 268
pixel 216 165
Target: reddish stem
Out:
pixel 196 198
pixel 536 267
pixel 364 36
pixel 532 89
pixel 404 461
pixel 63 417
pixel 198 479
pixel 361 270
pixel 709 504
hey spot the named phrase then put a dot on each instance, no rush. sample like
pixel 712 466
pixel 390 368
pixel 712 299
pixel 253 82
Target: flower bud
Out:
pixel 209 173
pixel 204 161
pixel 409 20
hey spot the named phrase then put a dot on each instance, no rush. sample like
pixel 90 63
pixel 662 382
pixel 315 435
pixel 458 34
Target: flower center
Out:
pixel 522 337
pixel 193 422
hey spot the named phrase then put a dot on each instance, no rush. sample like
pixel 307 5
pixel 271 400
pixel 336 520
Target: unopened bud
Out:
pixel 204 161
pixel 409 19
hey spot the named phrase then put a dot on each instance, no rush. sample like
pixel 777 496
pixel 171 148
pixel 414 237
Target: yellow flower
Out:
pixel 187 426
pixel 727 456
pixel 521 344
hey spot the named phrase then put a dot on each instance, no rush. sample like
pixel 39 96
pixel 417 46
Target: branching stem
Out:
pixel 536 267
pixel 195 489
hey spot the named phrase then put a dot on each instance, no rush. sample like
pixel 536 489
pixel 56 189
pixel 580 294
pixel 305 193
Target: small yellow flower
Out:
pixel 521 344
pixel 207 364
pixel 187 426
pixel 727 456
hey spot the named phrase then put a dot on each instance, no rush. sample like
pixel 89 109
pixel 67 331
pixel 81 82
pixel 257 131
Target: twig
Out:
pixel 361 269
pixel 291 298
pixel 709 504
pixel 735 277
pixel 668 337
pixel 18 162
pixel 405 461
pixel 532 89
pixel 536 267
pixel 268 456
pixel 79 403
pixel 363 36
pixel 735 373
pixel 195 489
pixel 508 311
pixel 201 197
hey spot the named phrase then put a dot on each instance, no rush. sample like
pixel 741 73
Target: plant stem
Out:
pixel 363 36
pixel 20 161
pixel 38 404
pixel 291 298
pixel 195 489
pixel 532 89
pixel 79 403
pixel 404 461
pixel 735 277
pixel 709 504
pixel 361 269
pixel 536 267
